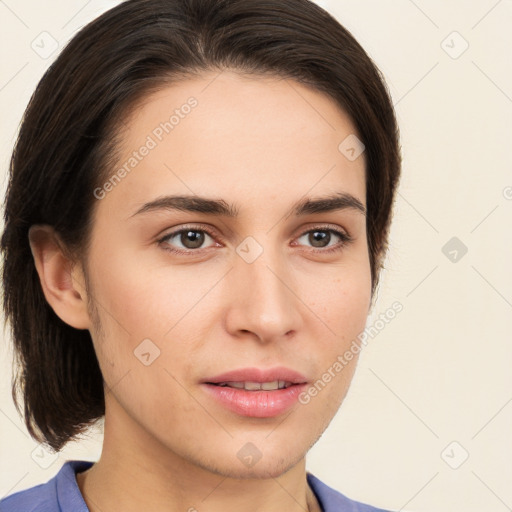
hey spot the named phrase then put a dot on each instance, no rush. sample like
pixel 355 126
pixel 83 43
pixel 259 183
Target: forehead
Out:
pixel 247 137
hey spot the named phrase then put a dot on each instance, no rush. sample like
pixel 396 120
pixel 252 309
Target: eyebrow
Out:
pixel 219 207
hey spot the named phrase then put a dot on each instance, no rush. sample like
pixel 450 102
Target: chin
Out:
pixel 261 470
pixel 270 465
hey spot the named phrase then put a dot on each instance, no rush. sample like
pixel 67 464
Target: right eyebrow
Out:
pixel 197 204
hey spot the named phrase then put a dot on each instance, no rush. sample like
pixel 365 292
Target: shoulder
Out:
pixel 333 501
pixel 42 498
pixel 59 494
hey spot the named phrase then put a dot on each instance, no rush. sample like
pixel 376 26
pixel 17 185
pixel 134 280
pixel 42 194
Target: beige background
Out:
pixel 435 384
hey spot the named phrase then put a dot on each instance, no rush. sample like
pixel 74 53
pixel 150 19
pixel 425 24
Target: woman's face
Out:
pixel 254 282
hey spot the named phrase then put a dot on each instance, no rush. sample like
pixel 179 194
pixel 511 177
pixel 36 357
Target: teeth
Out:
pixel 239 385
pixel 255 386
pixel 252 386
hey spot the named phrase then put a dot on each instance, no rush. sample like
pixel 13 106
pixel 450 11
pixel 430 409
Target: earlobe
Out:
pixel 64 291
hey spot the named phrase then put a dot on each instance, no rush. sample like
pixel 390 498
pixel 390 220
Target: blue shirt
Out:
pixel 62 494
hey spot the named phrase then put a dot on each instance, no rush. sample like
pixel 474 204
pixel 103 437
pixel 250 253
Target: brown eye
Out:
pixel 192 239
pixel 321 238
pixel 184 240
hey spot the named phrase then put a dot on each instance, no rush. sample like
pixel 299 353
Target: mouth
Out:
pixel 256 393
pixel 255 386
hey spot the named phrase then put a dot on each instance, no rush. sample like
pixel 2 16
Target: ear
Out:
pixel 62 280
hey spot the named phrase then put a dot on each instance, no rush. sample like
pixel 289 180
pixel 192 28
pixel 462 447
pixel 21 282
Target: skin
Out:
pixel 262 144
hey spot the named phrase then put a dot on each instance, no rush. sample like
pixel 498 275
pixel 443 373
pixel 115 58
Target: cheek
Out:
pixel 341 309
pixel 145 302
pixel 341 302
pixel 141 314
pixel 148 310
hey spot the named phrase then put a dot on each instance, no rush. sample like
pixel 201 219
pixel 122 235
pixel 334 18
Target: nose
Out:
pixel 263 300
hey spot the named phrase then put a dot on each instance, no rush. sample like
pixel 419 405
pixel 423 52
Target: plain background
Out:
pixel 434 386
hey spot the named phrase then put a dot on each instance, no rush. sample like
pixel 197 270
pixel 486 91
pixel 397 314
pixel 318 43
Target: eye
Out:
pixel 185 240
pixel 321 237
pixel 192 239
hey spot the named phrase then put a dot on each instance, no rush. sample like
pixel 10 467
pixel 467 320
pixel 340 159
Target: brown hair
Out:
pixel 65 146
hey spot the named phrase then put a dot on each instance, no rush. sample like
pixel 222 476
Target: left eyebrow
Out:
pixel 340 201
pixel 219 207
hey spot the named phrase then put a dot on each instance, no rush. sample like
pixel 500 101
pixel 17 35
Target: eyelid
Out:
pixel 327 227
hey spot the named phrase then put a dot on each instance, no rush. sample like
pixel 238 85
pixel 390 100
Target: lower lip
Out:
pixel 256 404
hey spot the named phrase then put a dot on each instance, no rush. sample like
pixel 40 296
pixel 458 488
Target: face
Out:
pixel 187 290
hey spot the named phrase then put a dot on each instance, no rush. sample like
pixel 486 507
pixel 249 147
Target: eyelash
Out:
pixel 344 237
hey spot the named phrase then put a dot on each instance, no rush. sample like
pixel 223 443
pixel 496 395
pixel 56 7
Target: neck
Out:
pixel 136 472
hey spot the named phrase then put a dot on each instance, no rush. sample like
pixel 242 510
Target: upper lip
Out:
pixel 259 375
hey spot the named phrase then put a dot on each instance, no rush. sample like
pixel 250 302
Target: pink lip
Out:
pixel 257 375
pixel 257 404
